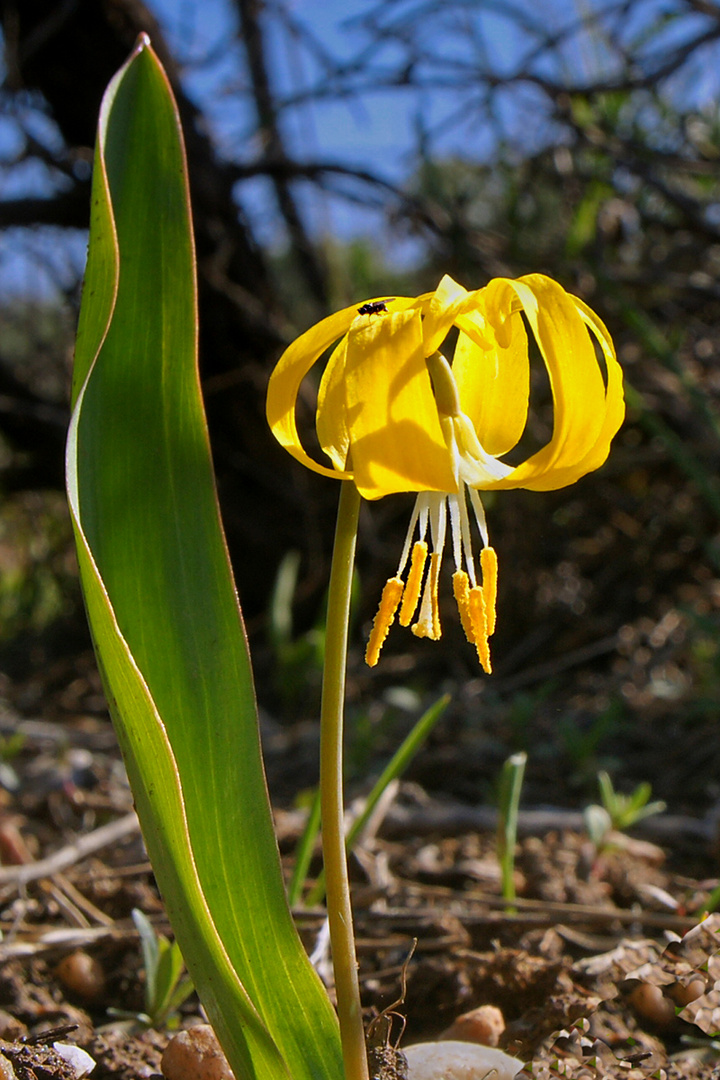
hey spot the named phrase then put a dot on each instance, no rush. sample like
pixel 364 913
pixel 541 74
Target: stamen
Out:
pixel 422 501
pixel 414 581
pixel 466 538
pixel 438 520
pixel 435 559
pixel 408 537
pixel 479 515
pixel 389 601
pixel 488 562
pixel 476 601
pixel 455 530
pixel 478 620
pixel 428 624
pixel 461 592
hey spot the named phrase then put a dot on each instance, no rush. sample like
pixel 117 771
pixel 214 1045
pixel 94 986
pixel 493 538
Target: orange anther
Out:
pixel 389 601
pixel 461 592
pixel 414 582
pixel 478 619
pixel 489 565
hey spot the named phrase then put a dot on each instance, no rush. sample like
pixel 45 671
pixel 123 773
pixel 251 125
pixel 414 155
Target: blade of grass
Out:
pixel 304 852
pixel 511 781
pixel 395 768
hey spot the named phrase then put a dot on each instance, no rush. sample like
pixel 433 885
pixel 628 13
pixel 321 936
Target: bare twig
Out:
pixel 72 853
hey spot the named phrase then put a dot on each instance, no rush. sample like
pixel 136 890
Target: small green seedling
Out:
pixel 298 658
pixel 626 810
pixel 166 988
pixel 10 747
pixel 618 812
pixel 511 781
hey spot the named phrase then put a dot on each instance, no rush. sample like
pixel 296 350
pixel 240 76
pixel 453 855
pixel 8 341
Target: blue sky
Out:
pixel 376 130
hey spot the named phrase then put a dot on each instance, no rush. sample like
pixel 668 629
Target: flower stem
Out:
pixel 342 939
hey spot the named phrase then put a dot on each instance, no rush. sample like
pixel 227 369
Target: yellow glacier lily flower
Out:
pixel 393 414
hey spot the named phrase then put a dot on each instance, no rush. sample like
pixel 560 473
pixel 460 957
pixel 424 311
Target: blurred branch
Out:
pixel 274 147
pixel 70 210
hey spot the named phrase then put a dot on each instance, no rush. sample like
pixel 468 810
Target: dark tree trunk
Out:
pixel 68 50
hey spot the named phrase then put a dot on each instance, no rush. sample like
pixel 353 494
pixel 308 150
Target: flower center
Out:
pixel 475 598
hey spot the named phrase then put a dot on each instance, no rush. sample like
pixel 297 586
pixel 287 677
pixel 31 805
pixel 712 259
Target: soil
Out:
pixel 591 966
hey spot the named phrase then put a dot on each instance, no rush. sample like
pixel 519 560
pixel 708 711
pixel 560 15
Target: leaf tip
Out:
pixel 142 42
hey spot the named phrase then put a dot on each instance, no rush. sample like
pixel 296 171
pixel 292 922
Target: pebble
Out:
pixel 77 1058
pixel 450 1060
pixel 195 1054
pixel 83 975
pixel 483 1025
pixel 6 1070
pixel 683 993
pixel 649 1002
pixel 10 1028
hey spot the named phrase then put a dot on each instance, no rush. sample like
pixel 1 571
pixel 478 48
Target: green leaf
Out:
pixel 181 991
pixel 150 945
pixel 161 601
pixel 169 970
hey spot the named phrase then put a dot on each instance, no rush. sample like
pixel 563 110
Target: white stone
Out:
pixel 76 1057
pixel 449 1060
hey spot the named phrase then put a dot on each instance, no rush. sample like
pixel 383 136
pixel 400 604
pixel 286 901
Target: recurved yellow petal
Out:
pixel 289 372
pixel 397 443
pixel 585 414
pixel 291 369
pixel 492 371
pixel 614 411
pixel 331 415
pixel 448 300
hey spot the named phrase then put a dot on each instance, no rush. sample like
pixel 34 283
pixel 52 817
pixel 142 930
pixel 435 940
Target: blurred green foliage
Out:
pixel 37 575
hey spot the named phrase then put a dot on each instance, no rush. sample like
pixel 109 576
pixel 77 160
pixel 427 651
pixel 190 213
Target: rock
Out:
pixel 83 975
pixel 10 1028
pixel 457 1060
pixel 195 1054
pixel 649 1002
pixel 451 1060
pixel 76 1057
pixel 6 1070
pixel 483 1025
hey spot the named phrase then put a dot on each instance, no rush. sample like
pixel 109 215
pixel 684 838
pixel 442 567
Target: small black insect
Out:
pixel 375 307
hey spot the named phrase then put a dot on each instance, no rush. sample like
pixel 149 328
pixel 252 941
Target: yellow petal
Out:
pixel 614 397
pixel 395 435
pixel 492 371
pixel 448 300
pixel 293 366
pixel 289 372
pixel 331 415
pixel 586 413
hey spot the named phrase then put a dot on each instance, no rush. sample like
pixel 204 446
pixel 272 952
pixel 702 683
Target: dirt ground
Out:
pixel 589 968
